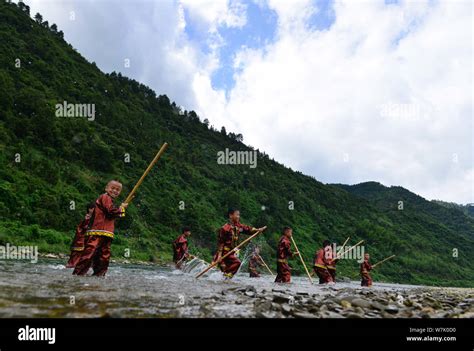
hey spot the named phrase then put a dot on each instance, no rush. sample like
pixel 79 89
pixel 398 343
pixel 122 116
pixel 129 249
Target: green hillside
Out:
pixel 65 161
pixel 467 209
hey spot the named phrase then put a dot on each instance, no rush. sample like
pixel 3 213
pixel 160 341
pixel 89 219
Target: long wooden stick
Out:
pixel 227 254
pixel 385 259
pixel 268 268
pixel 148 169
pixel 349 249
pixel 342 247
pixel 302 260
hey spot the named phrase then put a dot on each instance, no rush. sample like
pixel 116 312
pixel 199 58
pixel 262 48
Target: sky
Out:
pixel 345 91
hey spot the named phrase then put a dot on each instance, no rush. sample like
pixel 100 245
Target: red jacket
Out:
pixel 180 246
pixel 365 267
pixel 104 216
pixel 284 249
pixel 229 235
pixel 78 242
pixel 321 258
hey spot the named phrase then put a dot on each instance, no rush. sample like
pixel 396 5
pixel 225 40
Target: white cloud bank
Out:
pixel 384 94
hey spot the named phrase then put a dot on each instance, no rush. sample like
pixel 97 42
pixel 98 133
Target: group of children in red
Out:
pixel 324 262
pixel 94 235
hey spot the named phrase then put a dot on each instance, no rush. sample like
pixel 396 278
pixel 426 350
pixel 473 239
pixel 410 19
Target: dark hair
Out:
pixel 231 211
pixel 90 205
pixel 285 229
pixel 186 229
pixel 326 243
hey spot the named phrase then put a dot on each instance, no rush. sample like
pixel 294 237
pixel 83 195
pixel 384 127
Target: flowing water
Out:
pixel 48 289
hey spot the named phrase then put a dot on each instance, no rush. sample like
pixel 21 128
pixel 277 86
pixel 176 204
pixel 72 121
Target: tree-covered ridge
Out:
pixel 48 161
pixel 467 209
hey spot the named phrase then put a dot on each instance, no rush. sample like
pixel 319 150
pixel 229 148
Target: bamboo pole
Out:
pixel 302 260
pixel 349 249
pixel 266 266
pixel 385 259
pixel 148 169
pixel 227 254
pixel 345 242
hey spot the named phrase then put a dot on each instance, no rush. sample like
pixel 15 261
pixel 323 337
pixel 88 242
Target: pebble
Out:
pixel 361 303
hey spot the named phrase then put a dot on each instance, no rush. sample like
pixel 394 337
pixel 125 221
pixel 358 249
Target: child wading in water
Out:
pixel 78 243
pixel 283 253
pixel 100 234
pixel 365 268
pixel 227 240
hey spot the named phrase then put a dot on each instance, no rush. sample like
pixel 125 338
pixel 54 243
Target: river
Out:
pixel 48 289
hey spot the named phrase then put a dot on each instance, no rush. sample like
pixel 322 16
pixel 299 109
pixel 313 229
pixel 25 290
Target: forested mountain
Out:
pixel 52 166
pixel 467 209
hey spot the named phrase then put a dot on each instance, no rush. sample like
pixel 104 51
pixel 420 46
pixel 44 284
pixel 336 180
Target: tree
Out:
pixel 193 116
pixel 25 8
pixel 164 101
pixel 206 122
pixel 223 131
pixel 39 18
pixel 239 137
pixel 54 28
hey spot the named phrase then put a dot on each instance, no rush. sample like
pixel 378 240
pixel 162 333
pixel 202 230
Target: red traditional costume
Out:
pixel 180 249
pixel 254 262
pixel 320 265
pixel 227 240
pixel 283 253
pixel 331 262
pixel 77 246
pixel 99 237
pixel 365 268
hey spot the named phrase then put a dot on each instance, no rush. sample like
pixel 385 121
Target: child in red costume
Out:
pixel 227 240
pixel 180 248
pixel 78 243
pixel 101 232
pixel 322 261
pixel 283 253
pixel 255 261
pixel 365 268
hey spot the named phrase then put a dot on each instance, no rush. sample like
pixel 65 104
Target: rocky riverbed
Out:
pixel 361 303
pixel 47 289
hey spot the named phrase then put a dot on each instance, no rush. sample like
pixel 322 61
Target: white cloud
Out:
pixel 150 34
pixel 390 87
pixel 212 13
